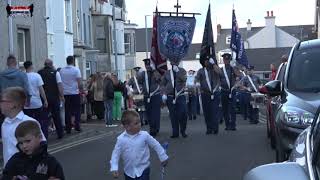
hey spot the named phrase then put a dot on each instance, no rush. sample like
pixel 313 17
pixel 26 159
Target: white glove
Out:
pixel 153 67
pixel 211 61
pixel 175 68
pixel 140 70
pixel 233 63
pixel 164 98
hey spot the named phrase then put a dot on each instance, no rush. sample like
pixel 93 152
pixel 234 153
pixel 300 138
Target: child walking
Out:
pixel 32 161
pixel 133 147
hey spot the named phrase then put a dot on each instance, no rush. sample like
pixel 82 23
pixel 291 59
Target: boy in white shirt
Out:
pixel 12 102
pixel 133 147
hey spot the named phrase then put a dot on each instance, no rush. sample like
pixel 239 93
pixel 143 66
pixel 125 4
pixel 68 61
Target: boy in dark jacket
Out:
pixel 32 162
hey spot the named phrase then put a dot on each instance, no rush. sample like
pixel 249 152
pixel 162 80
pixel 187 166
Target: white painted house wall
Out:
pixel 61 43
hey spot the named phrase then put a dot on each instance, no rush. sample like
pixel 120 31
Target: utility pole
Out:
pixel 10 31
pixel 115 37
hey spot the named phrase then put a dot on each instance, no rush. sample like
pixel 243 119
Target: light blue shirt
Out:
pixel 134 151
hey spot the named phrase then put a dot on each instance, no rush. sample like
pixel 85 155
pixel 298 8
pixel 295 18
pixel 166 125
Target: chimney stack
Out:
pixel 249 25
pixel 270 19
pixel 218 29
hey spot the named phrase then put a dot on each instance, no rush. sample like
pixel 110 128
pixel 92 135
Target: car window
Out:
pixel 304 74
pixel 282 70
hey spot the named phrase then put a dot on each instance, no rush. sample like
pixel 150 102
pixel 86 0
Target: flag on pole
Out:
pixel 159 61
pixel 207 47
pixel 237 44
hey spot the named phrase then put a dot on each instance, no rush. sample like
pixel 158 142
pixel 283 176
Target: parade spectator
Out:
pixel 118 90
pixel 108 96
pixel 273 72
pixel 36 107
pixel 71 81
pixel 192 99
pixel 97 89
pixel 54 92
pixel 90 97
pixel 12 102
pixel 32 161
pixel 136 165
pixel 13 77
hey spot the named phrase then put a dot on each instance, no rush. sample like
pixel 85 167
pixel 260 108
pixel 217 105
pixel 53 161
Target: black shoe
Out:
pixel 174 136
pixel 227 129
pixel 194 117
pixel 233 129
pixel 209 132
pixel 254 122
pixel 79 130
pixel 184 135
pixel 215 132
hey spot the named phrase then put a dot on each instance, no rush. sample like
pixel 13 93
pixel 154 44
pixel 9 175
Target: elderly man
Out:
pixel 54 92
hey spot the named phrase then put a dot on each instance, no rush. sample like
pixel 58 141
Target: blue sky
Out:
pixel 287 12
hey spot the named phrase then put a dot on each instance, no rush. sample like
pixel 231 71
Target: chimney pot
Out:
pixel 218 29
pixel 267 13
pixel 272 13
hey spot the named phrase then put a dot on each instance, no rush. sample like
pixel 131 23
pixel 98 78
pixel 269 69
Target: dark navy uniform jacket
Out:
pixel 232 78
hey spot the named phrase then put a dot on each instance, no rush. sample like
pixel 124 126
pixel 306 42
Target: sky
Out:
pixel 287 12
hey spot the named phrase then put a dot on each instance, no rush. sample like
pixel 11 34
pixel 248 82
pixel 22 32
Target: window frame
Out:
pixel 20 59
pixel 68 16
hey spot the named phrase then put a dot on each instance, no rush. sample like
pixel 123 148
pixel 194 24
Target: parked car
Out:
pixel 303 163
pixel 295 96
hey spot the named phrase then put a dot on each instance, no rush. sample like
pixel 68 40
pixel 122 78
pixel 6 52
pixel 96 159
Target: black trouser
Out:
pixel 72 108
pixel 54 109
pixel 39 115
pixel 99 109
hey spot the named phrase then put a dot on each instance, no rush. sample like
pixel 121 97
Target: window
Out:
pixel 88 68
pixel 228 39
pixel 127 43
pixel 67 14
pixel 24 45
pixel 100 38
pixel 198 56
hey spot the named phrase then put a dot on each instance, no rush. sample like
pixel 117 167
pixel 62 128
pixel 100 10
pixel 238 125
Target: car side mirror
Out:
pixel 272 88
pixel 277 171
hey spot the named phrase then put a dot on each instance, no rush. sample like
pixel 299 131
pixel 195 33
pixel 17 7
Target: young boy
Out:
pixel 11 103
pixel 33 161
pixel 133 146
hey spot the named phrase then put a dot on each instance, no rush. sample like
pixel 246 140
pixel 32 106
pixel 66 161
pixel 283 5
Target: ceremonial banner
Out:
pixel 159 61
pixel 19 10
pixel 175 36
pixel 207 46
pixel 237 44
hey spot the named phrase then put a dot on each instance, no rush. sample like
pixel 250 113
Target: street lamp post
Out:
pixel 147 40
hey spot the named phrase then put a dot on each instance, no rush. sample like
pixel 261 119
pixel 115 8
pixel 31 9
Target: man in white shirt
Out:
pixel 11 103
pixel 133 146
pixel 35 108
pixel 71 82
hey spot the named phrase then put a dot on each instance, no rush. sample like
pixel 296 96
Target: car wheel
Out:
pixel 280 153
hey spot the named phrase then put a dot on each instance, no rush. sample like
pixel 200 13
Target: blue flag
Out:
pixel 237 44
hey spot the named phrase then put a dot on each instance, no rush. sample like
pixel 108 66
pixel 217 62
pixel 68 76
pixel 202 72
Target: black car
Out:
pixel 303 163
pixel 296 96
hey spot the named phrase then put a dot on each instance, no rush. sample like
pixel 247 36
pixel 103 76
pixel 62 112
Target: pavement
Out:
pixel 227 156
